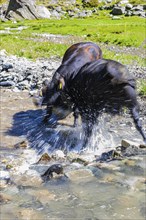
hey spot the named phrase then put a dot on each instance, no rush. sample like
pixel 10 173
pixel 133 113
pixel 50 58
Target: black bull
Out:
pixel 74 58
pixel 102 84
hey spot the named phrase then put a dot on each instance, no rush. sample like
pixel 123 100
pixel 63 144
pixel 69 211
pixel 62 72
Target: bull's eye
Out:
pixel 60 86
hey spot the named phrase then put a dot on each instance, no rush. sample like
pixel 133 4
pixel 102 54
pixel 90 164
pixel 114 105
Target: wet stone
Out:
pixel 106 166
pixel 84 159
pixel 28 180
pixel 29 214
pixel 42 195
pixel 140 184
pixel 58 155
pixel 3 184
pixel 132 169
pixel 4 198
pixel 22 144
pixel 45 158
pixel 133 151
pixel 127 143
pixel 109 156
pixel 55 168
pixel 79 174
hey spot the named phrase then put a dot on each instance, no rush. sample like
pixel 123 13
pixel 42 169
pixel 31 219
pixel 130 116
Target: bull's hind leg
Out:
pixel 88 124
pixel 134 108
pixel 135 114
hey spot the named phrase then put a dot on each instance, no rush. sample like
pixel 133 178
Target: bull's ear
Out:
pixel 61 83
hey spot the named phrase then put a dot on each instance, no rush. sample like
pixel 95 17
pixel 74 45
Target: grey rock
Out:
pixel 24 84
pixel 137 8
pixel 6 67
pixel 129 6
pixel 128 13
pixel 118 10
pixel 43 11
pixel 7 83
pixel 59 9
pixel 139 13
pixel 19 9
pixel 55 14
pixel 84 13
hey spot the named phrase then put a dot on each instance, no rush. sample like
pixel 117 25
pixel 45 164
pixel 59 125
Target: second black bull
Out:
pixel 102 84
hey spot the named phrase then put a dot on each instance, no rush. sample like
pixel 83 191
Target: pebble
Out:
pixel 26 74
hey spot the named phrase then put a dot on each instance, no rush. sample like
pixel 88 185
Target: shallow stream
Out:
pixel 108 190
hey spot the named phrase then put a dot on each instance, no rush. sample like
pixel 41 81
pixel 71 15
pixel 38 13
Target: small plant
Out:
pixel 137 2
pixel 91 3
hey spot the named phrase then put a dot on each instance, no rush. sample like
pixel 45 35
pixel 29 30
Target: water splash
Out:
pixel 107 134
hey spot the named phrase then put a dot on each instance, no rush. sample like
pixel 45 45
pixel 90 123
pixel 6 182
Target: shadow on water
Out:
pixel 42 137
pixel 107 134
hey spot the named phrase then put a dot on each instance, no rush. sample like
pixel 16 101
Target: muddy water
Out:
pixel 114 190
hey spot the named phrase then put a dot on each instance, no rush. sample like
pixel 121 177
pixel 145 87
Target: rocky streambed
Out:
pixel 44 176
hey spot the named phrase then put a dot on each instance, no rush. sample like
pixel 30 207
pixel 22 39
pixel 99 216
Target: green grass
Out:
pixel 141 87
pixel 2 1
pixel 136 2
pixel 129 31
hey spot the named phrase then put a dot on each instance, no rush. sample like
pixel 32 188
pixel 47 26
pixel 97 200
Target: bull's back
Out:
pixel 77 56
pixel 82 50
pixel 103 69
pixel 101 80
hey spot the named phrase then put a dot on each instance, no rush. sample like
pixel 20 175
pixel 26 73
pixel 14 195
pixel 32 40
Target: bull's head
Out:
pixel 51 91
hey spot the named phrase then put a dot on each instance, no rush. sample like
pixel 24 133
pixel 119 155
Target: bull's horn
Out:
pixel 61 83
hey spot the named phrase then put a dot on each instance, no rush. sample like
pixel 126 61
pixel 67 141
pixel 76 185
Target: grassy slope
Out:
pixel 126 32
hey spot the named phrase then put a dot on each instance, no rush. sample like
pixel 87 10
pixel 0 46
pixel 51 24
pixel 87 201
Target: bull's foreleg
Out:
pixel 76 116
pixel 134 108
pixel 48 114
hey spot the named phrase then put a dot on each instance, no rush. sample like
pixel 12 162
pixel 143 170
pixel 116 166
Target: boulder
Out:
pixel 118 10
pixel 19 9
